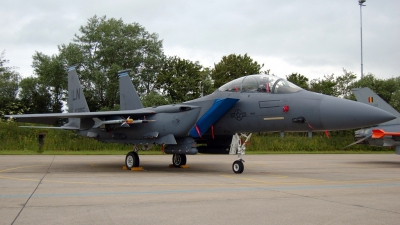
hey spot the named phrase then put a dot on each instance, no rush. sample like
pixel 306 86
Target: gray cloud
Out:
pixel 313 37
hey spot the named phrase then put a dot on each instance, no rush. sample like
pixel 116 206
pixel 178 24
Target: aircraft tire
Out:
pixel 132 160
pixel 238 166
pixel 178 160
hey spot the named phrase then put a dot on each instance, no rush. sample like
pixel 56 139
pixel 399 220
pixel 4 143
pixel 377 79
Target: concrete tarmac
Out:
pixel 273 189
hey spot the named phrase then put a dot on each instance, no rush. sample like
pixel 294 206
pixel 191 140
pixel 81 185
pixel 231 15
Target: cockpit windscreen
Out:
pixel 260 83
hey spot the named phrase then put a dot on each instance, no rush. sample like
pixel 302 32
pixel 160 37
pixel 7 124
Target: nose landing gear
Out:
pixel 238 146
pixel 238 166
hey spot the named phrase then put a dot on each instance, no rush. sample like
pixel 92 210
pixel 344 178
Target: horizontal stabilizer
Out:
pixel 217 110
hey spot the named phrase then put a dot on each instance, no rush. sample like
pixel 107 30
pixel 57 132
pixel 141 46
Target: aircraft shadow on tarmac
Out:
pixel 148 166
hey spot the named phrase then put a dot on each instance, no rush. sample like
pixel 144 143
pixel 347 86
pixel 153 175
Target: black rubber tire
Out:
pixel 178 160
pixel 132 160
pixel 238 166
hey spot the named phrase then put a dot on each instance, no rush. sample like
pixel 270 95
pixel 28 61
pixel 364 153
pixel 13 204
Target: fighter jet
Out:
pixel 221 122
pixel 383 135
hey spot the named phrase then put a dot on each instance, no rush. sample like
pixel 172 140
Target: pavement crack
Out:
pixel 33 192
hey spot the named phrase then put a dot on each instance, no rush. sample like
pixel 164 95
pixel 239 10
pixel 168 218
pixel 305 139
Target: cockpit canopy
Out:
pixel 260 83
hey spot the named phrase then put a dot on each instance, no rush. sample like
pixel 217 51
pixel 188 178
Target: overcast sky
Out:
pixel 312 37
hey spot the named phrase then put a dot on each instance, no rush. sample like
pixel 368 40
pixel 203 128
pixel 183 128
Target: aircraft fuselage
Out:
pixel 300 111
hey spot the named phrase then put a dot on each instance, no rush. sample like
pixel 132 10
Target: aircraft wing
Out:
pixel 51 118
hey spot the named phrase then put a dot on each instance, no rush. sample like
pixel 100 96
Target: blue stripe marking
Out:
pixel 216 111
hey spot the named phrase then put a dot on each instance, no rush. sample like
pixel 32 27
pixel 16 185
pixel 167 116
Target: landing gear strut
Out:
pixel 238 146
pixel 178 160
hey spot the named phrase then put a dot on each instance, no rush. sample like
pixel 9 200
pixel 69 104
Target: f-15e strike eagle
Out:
pixel 221 122
pixel 382 135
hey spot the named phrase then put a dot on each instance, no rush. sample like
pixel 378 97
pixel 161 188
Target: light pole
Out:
pixel 360 2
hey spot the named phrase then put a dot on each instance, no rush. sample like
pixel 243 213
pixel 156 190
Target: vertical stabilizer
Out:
pixel 76 99
pixel 367 96
pixel 128 97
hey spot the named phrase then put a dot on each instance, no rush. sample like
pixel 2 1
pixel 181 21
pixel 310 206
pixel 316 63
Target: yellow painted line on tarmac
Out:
pixel 74 182
pixel 94 183
pixel 279 176
pixel 254 180
pixel 88 183
pixel 311 181
pixel 362 181
pixel 52 181
pixel 284 180
pixel 19 179
pixel 20 167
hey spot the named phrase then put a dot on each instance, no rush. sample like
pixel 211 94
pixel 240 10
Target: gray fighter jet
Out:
pixel 221 122
pixel 383 135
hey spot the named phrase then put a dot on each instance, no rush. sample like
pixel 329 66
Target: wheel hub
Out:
pixel 236 167
pixel 177 160
pixel 129 161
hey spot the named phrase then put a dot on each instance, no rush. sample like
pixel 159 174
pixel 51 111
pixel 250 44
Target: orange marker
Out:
pixel 382 133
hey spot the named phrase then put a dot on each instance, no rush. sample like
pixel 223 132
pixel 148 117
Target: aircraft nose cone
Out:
pixel 343 114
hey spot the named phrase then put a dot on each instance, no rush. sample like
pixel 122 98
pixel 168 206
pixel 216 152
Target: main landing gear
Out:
pixel 178 160
pixel 132 159
pixel 238 146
